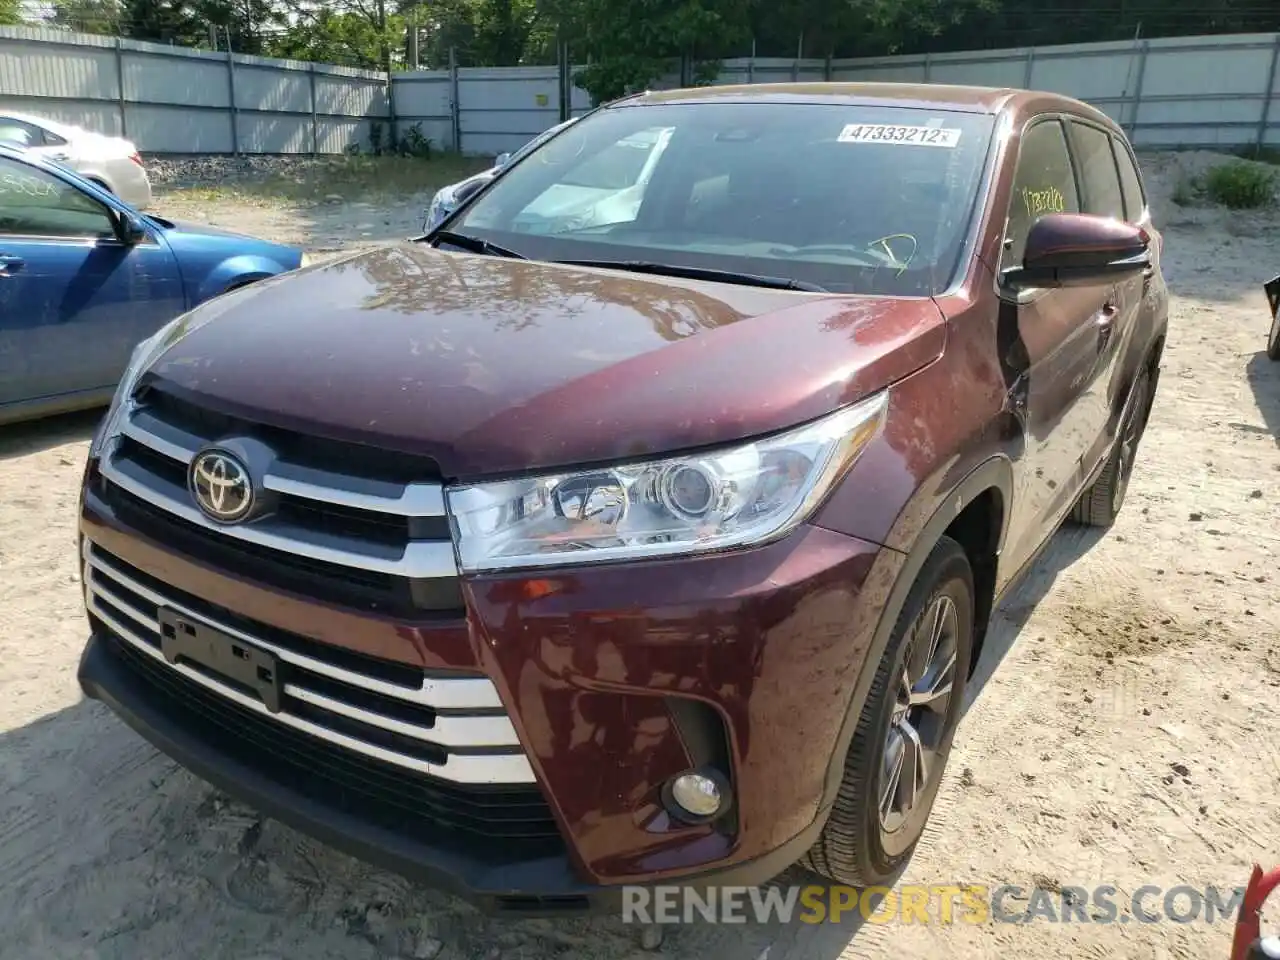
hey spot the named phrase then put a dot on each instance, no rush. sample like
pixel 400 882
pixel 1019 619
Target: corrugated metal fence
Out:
pixel 1196 91
pixel 176 100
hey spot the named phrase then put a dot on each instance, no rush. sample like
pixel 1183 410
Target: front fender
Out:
pixel 236 272
pixel 927 518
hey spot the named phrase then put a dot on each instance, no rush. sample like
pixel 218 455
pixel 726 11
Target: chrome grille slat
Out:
pixel 327 486
pixel 419 559
pixel 164 438
pixel 448 731
pixel 461 694
pixel 132 626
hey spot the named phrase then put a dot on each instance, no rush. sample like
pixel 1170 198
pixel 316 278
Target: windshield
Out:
pixel 862 199
pixel 538 141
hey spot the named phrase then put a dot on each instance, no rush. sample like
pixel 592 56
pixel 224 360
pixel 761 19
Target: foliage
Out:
pixel 250 22
pixel 1261 153
pixel 350 32
pixel 10 11
pixel 633 43
pixel 413 143
pixel 163 21
pixel 88 16
pixel 627 44
pixel 1240 185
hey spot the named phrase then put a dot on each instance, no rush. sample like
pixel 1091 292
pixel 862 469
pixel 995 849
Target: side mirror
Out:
pixel 1079 250
pixel 130 230
pixel 502 160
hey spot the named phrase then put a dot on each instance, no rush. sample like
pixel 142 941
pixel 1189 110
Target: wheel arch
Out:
pixel 978 506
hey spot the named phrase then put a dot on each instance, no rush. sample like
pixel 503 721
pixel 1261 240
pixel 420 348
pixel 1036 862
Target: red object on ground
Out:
pixel 1248 929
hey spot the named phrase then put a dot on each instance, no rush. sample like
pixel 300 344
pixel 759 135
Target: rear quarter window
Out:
pixel 1135 199
pixel 1098 174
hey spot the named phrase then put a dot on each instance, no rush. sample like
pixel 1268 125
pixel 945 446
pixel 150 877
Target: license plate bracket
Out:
pixel 184 638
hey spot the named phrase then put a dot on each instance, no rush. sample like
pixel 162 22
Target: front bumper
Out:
pixel 615 678
pixel 535 887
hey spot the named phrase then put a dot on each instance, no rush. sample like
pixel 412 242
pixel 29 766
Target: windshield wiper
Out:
pixel 476 245
pixel 700 273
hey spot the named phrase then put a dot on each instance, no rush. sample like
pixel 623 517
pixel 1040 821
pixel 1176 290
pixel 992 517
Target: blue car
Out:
pixel 84 277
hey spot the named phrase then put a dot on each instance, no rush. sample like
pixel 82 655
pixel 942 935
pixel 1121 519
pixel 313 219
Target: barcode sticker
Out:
pixel 892 133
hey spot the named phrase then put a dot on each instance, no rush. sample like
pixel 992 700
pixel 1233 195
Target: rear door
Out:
pixel 1103 195
pixel 1050 345
pixel 74 300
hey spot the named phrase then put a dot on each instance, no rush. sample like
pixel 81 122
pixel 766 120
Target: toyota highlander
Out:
pixel 550 553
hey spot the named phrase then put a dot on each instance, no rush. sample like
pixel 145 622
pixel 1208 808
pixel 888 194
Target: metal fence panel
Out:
pixel 425 98
pixel 1186 91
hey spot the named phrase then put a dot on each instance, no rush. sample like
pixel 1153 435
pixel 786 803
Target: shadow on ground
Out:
pixel 22 439
pixel 1263 376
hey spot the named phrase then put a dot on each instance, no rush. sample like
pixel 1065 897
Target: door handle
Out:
pixel 1104 323
pixel 9 265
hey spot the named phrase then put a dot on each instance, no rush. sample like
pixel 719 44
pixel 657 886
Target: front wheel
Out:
pixel 904 735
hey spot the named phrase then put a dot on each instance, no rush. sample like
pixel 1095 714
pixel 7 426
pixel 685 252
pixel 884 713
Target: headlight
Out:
pixel 306 261
pixel 745 495
pixel 440 208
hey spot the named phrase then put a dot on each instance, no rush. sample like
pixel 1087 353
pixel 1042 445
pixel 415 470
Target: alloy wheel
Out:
pixel 918 722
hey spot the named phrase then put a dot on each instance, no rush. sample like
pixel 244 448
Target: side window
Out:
pixel 20 132
pixel 34 203
pixel 51 139
pixel 1098 173
pixel 1135 200
pixel 1042 183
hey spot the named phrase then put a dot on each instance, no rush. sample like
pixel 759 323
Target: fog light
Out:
pixel 697 797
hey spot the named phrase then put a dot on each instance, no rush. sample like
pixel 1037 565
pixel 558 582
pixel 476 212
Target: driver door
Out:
pixel 74 299
pixel 1051 349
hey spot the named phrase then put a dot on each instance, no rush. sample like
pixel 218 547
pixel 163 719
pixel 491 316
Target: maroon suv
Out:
pixel 644 521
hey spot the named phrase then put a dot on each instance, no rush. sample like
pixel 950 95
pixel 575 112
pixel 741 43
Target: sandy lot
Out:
pixel 1127 736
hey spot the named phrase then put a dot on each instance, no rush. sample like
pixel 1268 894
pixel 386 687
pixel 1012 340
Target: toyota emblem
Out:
pixel 221 486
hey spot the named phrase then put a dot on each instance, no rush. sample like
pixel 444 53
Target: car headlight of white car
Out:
pixel 738 496
pixel 441 206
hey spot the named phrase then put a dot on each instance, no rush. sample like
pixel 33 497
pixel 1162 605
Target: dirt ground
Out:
pixel 1129 735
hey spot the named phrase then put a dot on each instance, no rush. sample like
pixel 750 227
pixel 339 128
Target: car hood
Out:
pixel 185 236
pixel 494 366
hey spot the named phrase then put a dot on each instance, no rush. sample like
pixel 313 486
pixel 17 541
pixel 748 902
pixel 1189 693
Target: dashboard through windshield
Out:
pixel 850 198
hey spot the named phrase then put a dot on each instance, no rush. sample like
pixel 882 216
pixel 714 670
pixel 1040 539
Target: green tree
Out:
pixel 353 33
pixel 10 11
pixel 633 43
pixel 250 22
pixel 490 33
pixel 162 21
pixel 87 16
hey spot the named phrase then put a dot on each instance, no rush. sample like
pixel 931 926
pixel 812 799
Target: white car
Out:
pixel 111 162
pixel 447 198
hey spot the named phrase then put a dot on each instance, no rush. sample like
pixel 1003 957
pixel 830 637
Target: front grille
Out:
pixel 501 823
pixel 449 728
pixel 349 524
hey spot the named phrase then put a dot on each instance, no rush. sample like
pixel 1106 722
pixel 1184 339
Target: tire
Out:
pixel 1100 504
pixel 858 845
pixel 1273 339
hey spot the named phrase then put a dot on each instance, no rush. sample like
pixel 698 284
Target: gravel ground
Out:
pixel 1128 736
